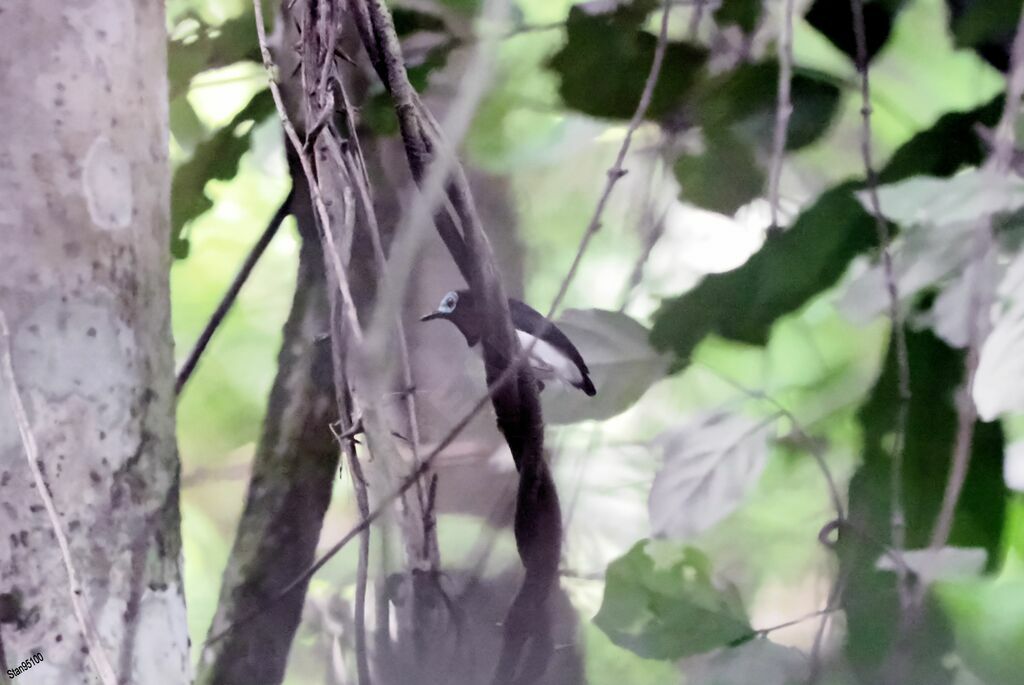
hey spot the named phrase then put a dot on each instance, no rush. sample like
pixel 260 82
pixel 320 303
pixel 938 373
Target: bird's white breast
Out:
pixel 548 362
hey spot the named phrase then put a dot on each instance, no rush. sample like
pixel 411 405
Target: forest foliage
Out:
pixel 724 387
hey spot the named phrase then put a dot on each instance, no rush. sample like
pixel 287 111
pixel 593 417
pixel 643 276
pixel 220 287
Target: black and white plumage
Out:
pixel 552 355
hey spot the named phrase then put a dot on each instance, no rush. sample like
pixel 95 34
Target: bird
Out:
pixel 552 355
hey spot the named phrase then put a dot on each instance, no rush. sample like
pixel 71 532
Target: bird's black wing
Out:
pixel 529 320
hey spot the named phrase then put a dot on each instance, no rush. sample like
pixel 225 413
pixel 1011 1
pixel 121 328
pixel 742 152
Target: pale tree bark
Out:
pixel 84 287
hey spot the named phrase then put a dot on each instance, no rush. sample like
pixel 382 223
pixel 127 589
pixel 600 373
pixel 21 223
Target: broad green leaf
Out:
pixel 998 388
pixel 951 144
pixel 469 7
pixel 409 20
pixel 742 13
pixel 966 197
pixel 1013 466
pixel 789 269
pixel 987 26
pixel 622 363
pixel 660 602
pixel 795 266
pixel 988 619
pixel 218 158
pixel 923 257
pixel 606 59
pixel 759 661
pixel 946 563
pixel 724 177
pixel 871 601
pixel 186 127
pixel 211 47
pixel 709 467
pixel 744 101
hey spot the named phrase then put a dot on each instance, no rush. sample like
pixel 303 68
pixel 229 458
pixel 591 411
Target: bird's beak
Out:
pixel 431 316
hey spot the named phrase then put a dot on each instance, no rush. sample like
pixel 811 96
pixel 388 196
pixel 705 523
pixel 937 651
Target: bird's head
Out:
pixel 446 309
pixel 459 308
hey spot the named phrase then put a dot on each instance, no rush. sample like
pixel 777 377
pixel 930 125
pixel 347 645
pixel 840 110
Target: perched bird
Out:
pixel 552 354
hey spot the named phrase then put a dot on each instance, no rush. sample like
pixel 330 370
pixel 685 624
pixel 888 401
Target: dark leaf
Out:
pixel 606 59
pixel 834 19
pixel 408 21
pixel 724 177
pixel 745 99
pixel 791 268
pixel 218 158
pixel 945 148
pixel 985 25
pixel 742 13
pixel 871 604
pixel 659 601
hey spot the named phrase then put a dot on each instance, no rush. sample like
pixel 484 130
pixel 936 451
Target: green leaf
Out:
pixel 408 21
pixel 217 157
pixel 988 619
pixel 467 7
pixel 949 145
pixel 607 56
pixel 659 601
pixel 724 177
pixel 966 197
pixel 977 23
pixel 809 257
pixel 213 46
pixel 742 13
pixel 946 563
pixel 791 268
pixel 745 100
pixel 871 601
pixel 622 363
pixel 186 127
pixel 709 467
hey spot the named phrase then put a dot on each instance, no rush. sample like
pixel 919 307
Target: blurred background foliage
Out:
pixel 731 358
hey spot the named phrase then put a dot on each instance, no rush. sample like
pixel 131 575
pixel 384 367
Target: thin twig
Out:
pixel 185 372
pixel 1000 162
pixel 783 109
pixel 97 654
pixel 765 632
pixel 616 171
pixel 652 227
pixel 898 521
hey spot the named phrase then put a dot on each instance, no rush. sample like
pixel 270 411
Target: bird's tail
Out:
pixel 587 386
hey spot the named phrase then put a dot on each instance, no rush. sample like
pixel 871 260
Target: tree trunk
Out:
pixel 84 287
pixel 290 488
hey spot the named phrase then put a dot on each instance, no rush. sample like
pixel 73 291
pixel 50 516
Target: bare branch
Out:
pixel 617 171
pixel 185 372
pixel 97 654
